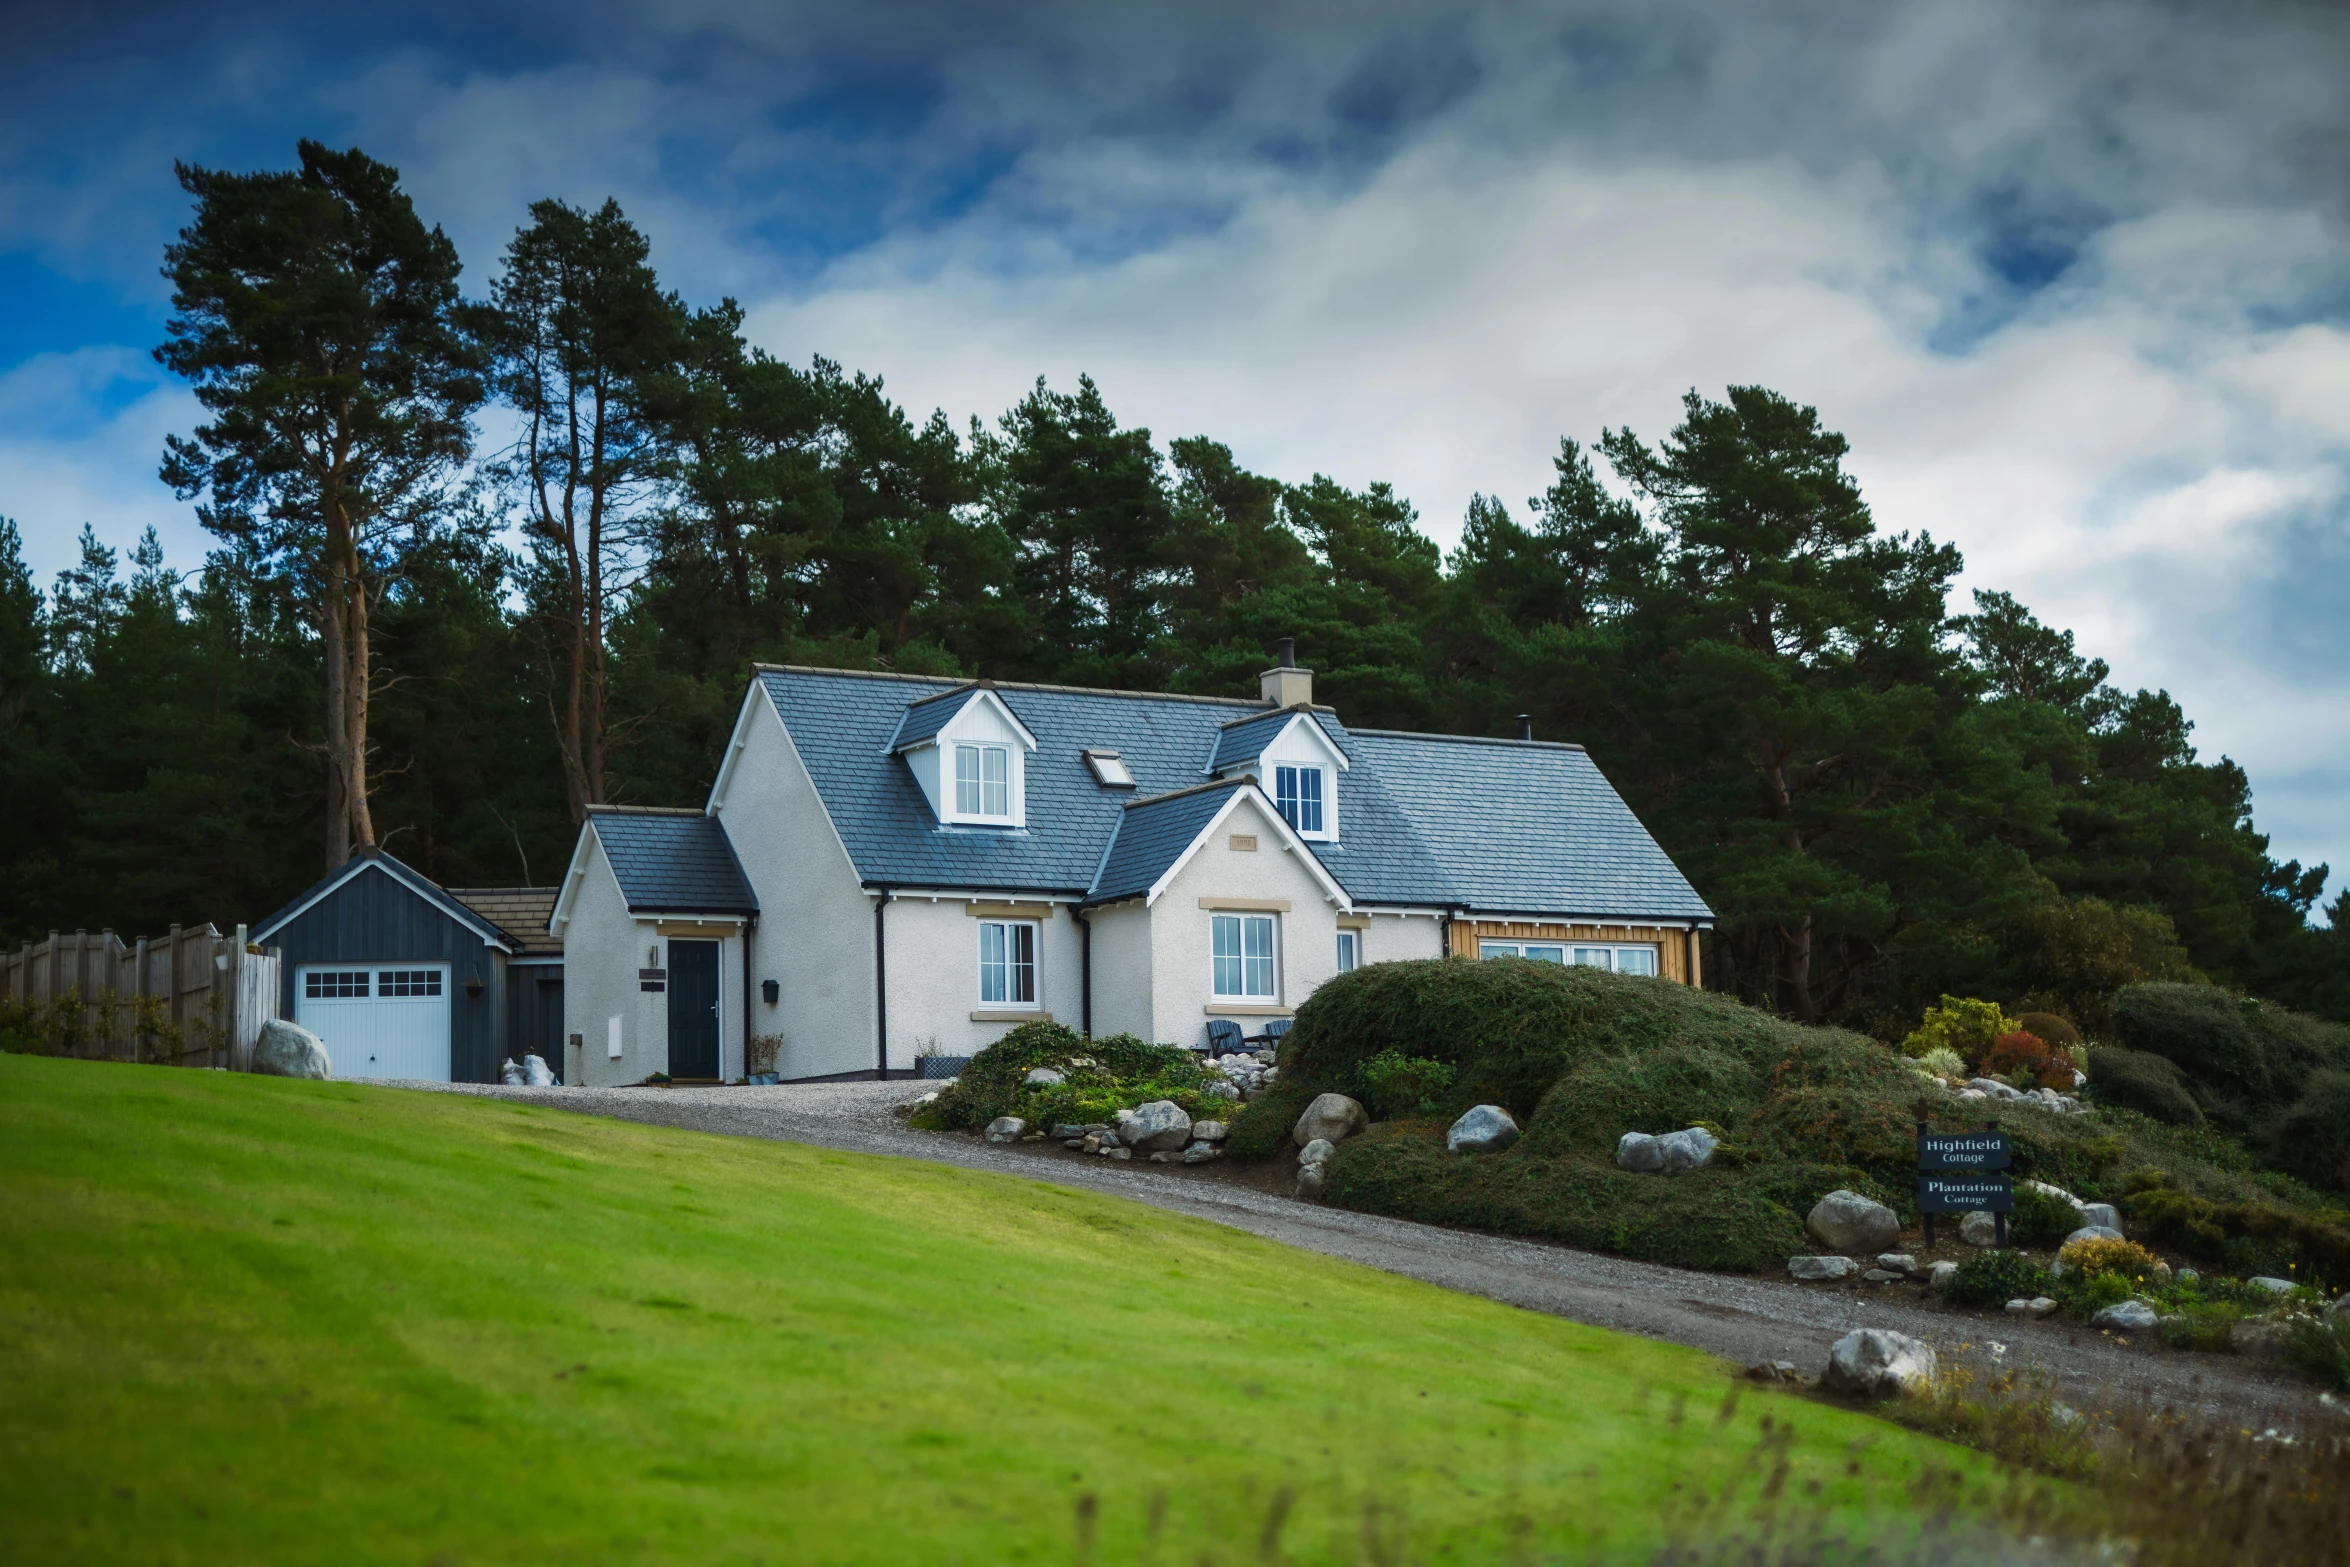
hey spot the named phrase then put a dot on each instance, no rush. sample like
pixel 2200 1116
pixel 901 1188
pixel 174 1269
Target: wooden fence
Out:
pixel 192 998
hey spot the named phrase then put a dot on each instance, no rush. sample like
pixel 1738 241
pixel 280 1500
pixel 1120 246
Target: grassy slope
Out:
pixel 258 1320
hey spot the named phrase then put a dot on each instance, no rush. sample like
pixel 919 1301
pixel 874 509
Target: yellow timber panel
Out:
pixel 1672 945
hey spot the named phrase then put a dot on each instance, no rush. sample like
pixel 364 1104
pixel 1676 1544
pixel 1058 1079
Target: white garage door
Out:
pixel 380 1020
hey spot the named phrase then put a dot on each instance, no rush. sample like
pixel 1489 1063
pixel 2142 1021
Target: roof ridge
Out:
pixel 648 810
pixel 1419 734
pixel 1198 788
pixel 1277 712
pixel 485 892
pixel 959 682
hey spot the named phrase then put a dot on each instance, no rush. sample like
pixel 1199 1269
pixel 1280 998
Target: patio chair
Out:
pixel 1271 1037
pixel 1224 1038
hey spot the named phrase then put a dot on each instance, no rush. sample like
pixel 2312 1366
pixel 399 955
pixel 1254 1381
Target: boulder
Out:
pixel 1689 1149
pixel 2058 1192
pixel 1006 1129
pixel 1162 1126
pixel 2273 1285
pixel 1331 1117
pixel 2040 1306
pixel 1201 1153
pixel 1117 1153
pixel 2260 1338
pixel 1309 1182
pixel 1879 1363
pixel 1044 1077
pixel 2130 1315
pixel 2103 1215
pixel 1940 1274
pixel 1320 1151
pixel 535 1073
pixel 1882 1276
pixel 1847 1221
pixel 1820 1269
pixel 1639 1152
pixel 2091 1232
pixel 1897 1262
pixel 290 1050
pixel 2018 1306
pixel 1979 1228
pixel 1481 1129
pixel 1992 1088
pixel 1208 1131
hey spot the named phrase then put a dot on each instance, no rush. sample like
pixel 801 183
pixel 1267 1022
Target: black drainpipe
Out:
pixel 1085 970
pixel 749 921
pixel 880 985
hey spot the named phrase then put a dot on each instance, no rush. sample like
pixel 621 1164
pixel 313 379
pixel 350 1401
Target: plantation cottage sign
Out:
pixel 1961 1172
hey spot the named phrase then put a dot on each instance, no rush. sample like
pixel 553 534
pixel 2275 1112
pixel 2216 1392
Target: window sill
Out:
pixel 1012 1015
pixel 1246 1009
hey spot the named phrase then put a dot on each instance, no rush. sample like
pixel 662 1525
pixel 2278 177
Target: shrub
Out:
pixel 2312 1138
pixel 2321 1349
pixel 2012 1055
pixel 2245 1060
pixel 1943 1061
pixel 2148 1084
pixel 2057 1031
pixel 1125 1071
pixel 2243 1237
pixel 1965 1027
pixel 1656 1091
pixel 2041 1218
pixel 1395 1084
pixel 1996 1277
pixel 2090 1258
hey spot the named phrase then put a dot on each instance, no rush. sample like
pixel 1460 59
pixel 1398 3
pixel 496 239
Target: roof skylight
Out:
pixel 1109 770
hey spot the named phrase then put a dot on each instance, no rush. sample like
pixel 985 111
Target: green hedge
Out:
pixel 2244 1061
pixel 2142 1081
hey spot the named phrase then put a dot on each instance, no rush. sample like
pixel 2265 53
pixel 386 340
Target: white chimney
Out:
pixel 1286 685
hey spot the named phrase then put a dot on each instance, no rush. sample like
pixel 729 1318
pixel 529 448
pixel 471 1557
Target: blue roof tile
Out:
pixel 673 862
pixel 926 718
pixel 1151 835
pixel 1424 820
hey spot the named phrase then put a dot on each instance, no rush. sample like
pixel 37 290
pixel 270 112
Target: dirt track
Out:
pixel 1744 1320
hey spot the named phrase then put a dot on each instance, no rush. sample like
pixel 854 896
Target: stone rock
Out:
pixel 1639 1152
pixel 290 1050
pixel 2040 1306
pixel 2262 1339
pixel 1972 1093
pixel 1162 1126
pixel 1309 1181
pixel 2130 1315
pixel 1481 1129
pixel 1940 1274
pixel 1073 1130
pixel 2018 1306
pixel 1897 1262
pixel 1818 1269
pixel 1690 1149
pixel 1979 1228
pixel 2102 1214
pixel 1117 1153
pixel 1847 1221
pixel 2091 1232
pixel 1881 1276
pixel 2189 1276
pixel 1879 1363
pixel 535 1072
pixel 1005 1129
pixel 1320 1151
pixel 1219 1091
pixel 1075 1144
pixel 1201 1153
pixel 1044 1077
pixel 1091 1142
pixel 1331 1117
pixel 1208 1131
pixel 1164 1157
pixel 2057 1192
pixel 1994 1088
pixel 2272 1284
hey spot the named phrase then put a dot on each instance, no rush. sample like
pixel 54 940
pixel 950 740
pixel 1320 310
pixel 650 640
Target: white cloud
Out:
pixel 81 435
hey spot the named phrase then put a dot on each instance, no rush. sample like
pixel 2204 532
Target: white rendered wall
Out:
pixel 1122 972
pixel 933 961
pixel 602 949
pixel 1182 942
pixel 815 931
pixel 1392 938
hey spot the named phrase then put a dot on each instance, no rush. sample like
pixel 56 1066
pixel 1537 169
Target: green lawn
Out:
pixel 253 1320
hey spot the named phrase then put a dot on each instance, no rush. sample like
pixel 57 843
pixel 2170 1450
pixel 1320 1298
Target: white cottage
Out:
pixel 895 866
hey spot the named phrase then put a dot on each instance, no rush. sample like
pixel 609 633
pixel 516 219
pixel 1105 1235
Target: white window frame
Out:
pixel 1350 949
pixel 1290 798
pixel 1243 927
pixel 990 797
pixel 1007 932
pixel 1584 954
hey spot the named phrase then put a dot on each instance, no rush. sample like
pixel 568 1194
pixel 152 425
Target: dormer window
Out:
pixel 1297 791
pixel 983 780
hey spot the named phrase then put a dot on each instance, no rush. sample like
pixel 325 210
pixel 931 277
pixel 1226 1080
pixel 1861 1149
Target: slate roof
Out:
pixel 672 862
pixel 1246 740
pixel 1152 835
pixel 522 913
pixel 1427 821
pixel 924 720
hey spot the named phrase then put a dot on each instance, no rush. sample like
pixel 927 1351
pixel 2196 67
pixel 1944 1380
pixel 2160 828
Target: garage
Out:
pixel 378 1022
pixel 403 978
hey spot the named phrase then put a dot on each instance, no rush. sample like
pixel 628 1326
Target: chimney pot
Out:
pixel 1525 726
pixel 1286 685
pixel 1285 649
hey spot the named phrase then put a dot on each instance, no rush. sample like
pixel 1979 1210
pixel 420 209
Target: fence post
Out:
pixel 139 1005
pixel 240 1048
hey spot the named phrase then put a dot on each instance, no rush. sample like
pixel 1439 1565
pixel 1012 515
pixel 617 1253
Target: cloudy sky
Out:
pixel 2073 278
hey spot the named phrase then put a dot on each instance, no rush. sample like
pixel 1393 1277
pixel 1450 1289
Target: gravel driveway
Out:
pixel 1744 1320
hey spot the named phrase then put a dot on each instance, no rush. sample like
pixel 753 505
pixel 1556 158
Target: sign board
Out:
pixel 1965 1194
pixel 1962 1151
